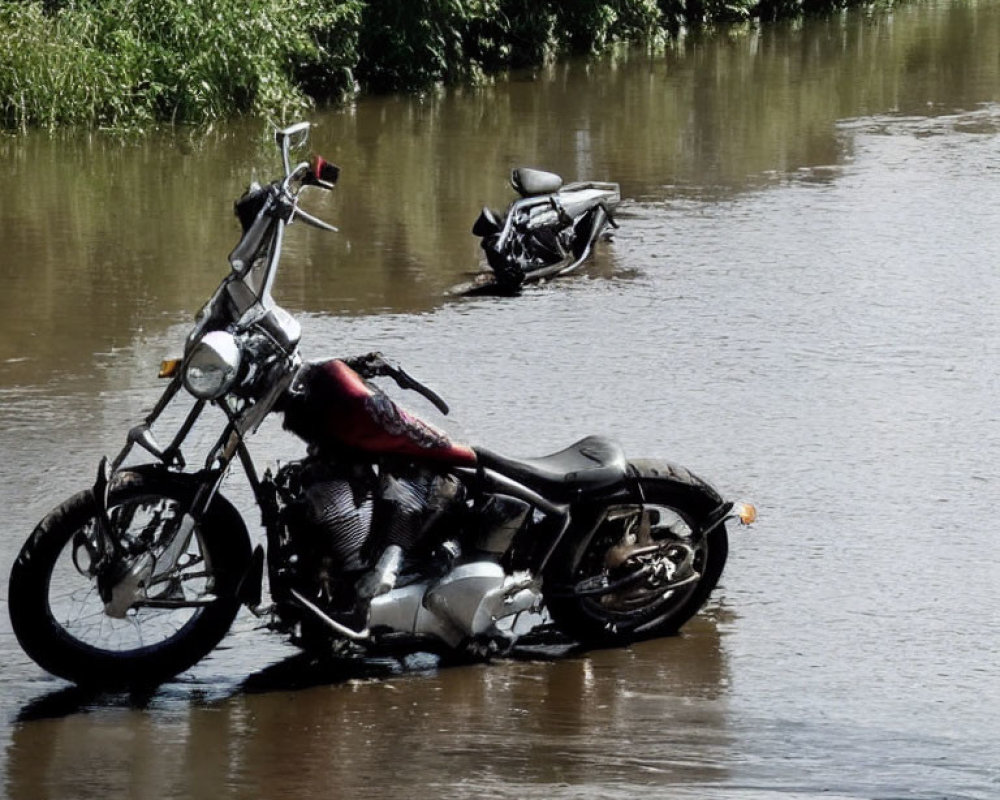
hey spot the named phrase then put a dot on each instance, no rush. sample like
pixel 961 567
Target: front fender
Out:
pixel 220 510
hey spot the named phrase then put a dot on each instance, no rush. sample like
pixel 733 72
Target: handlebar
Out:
pixel 309 219
pixel 316 172
pixel 262 209
pixel 372 365
pixel 406 381
pixel 294 136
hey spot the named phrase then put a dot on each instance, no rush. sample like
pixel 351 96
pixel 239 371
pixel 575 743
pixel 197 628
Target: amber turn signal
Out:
pixel 169 367
pixel 746 512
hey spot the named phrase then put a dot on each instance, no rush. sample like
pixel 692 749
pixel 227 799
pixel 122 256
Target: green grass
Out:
pixel 130 62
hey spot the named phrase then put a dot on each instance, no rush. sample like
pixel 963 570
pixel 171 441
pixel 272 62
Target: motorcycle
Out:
pixel 387 536
pixel 548 232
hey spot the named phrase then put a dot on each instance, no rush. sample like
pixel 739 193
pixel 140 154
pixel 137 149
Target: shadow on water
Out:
pixel 79 700
pixel 542 717
pixel 691 655
pixel 296 672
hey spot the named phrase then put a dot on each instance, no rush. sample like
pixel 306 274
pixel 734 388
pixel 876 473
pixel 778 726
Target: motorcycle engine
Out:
pixel 339 517
pixel 326 514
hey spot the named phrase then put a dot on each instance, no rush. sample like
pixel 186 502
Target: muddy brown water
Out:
pixel 801 304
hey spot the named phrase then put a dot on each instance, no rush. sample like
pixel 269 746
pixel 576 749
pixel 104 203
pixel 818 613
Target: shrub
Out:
pixel 132 62
pixel 53 71
pixel 115 62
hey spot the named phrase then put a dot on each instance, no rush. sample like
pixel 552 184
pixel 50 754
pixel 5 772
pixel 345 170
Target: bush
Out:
pixel 591 25
pixel 408 44
pixel 131 62
pixel 511 33
pixel 53 71
pixel 127 62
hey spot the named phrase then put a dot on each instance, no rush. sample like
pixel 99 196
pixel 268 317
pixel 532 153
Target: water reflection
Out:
pixel 651 715
pixel 105 241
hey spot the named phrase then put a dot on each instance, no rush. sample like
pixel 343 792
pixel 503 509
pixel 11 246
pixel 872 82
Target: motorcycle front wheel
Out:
pixel 61 599
pixel 637 571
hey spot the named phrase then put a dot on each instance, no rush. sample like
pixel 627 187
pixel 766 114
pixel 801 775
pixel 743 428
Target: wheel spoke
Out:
pixel 174 600
pixel 143 602
pixel 626 564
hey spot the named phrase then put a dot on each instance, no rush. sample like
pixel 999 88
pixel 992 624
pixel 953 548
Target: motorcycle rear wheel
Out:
pixel 58 613
pixel 644 609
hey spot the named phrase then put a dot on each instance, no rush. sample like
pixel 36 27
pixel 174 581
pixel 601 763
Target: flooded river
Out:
pixel 802 303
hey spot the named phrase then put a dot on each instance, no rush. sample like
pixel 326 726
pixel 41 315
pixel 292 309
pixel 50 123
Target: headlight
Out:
pixel 212 366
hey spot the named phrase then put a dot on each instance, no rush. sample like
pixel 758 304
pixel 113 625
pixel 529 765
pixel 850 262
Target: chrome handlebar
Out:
pixel 316 173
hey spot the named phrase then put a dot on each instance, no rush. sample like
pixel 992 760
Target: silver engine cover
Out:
pixel 466 602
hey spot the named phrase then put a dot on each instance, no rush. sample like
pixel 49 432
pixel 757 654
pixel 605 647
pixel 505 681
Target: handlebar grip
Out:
pixel 406 382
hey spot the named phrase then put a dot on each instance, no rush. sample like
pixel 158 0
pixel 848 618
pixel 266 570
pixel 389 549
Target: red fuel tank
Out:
pixel 336 408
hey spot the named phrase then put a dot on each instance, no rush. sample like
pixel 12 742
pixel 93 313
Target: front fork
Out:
pixel 122 579
pixel 121 582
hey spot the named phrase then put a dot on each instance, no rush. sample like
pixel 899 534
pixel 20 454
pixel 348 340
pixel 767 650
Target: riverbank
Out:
pixel 129 63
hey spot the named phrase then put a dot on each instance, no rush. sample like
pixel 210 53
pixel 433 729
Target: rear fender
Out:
pixel 688 488
pixel 687 485
pixel 704 498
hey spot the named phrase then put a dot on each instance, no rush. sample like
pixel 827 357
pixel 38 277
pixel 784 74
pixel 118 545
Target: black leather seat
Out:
pixel 528 182
pixel 591 463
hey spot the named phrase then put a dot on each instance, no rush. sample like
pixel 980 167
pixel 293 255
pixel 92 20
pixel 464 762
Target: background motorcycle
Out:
pixel 136 579
pixel 548 232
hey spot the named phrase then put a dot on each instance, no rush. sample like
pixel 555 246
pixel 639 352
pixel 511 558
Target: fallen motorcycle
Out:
pixel 548 232
pixel 387 536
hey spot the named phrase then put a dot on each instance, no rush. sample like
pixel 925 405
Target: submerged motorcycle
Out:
pixel 387 536
pixel 549 231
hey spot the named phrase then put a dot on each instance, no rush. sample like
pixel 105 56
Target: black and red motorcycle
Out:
pixel 388 535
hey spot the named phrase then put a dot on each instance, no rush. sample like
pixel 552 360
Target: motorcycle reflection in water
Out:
pixel 190 747
pixel 387 537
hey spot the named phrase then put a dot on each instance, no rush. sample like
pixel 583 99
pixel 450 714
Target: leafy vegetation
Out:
pixel 125 63
pixel 129 62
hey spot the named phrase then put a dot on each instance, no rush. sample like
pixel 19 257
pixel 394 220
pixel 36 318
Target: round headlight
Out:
pixel 212 366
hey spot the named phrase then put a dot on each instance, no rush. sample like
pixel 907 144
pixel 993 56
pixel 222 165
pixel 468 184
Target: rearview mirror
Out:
pixel 296 136
pixel 292 137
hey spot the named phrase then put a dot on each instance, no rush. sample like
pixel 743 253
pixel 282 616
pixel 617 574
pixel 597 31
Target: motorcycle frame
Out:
pixel 244 415
pixel 518 214
pixel 232 444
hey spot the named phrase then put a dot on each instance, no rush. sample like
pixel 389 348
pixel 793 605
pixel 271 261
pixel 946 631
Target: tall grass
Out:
pixel 132 62
pixel 128 62
pixel 53 71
